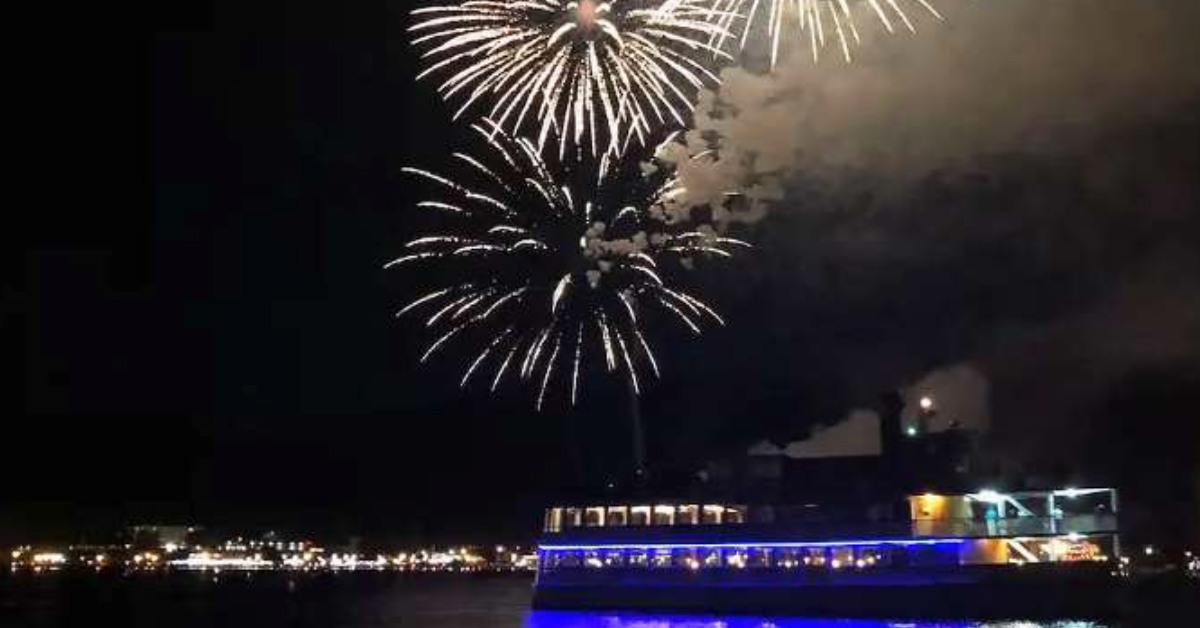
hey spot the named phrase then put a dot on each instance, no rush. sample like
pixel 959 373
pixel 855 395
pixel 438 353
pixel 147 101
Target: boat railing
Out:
pixel 925 528
pixel 1015 526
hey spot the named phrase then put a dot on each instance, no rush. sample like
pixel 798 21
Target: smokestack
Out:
pixel 891 429
pixel 893 479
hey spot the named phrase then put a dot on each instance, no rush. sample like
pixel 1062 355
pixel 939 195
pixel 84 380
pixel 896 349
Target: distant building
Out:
pixel 157 536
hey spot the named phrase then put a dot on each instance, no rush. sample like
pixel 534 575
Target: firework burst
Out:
pixel 818 21
pixel 544 277
pixel 589 73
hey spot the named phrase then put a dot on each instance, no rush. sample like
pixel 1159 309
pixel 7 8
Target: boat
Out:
pixel 987 554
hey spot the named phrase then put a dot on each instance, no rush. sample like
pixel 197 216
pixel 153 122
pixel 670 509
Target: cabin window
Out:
pixel 618 516
pixel 787 558
pixel 685 559
pixel 592 560
pixel 734 514
pixel 639 516
pixel 687 515
pixel 841 557
pixel 595 517
pixel 868 557
pixel 568 560
pixel 572 518
pixel 711 515
pixel 554 520
pixel 759 558
pixel 762 514
pixel 664 515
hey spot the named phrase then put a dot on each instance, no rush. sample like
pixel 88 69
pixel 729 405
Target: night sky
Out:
pixel 214 342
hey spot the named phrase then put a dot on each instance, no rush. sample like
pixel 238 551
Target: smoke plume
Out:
pixel 1026 76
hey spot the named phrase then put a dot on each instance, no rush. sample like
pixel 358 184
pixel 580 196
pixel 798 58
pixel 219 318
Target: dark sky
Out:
pixel 214 342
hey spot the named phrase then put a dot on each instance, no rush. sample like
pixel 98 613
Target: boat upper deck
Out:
pixel 984 514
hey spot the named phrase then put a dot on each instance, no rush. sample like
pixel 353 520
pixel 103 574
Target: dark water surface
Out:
pixel 349 601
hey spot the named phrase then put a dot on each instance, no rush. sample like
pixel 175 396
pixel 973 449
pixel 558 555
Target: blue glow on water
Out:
pixel 752 544
pixel 557 619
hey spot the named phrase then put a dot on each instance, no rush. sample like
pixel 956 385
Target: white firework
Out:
pixel 816 21
pixel 541 276
pixel 586 73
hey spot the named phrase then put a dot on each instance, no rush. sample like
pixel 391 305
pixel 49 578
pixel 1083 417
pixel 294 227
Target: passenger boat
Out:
pixel 987 554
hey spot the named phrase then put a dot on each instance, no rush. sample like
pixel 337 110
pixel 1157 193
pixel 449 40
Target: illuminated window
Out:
pixel 685 559
pixel 709 557
pixel 687 515
pixel 734 514
pixel 664 515
pixel 787 558
pixel 712 514
pixel 554 520
pixel 639 516
pixel 759 558
pixel 614 558
pixel 572 518
pixel 595 517
pixel 617 516
pixel 841 557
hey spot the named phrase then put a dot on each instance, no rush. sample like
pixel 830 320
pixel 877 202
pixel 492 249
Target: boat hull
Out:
pixel 948 594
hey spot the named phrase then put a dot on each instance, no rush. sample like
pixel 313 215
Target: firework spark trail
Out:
pixel 817 21
pixel 597 75
pixel 568 266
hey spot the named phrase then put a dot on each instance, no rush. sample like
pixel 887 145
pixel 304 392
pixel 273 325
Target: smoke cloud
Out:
pixel 961 396
pixel 1028 76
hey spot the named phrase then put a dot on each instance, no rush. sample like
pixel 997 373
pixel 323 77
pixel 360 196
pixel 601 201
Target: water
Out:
pixel 349 601
pixel 591 620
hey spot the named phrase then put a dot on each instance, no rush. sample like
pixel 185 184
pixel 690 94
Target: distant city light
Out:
pixel 49 558
pixel 911 430
pixel 926 403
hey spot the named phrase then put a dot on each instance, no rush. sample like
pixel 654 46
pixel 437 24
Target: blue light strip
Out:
pixel 752 545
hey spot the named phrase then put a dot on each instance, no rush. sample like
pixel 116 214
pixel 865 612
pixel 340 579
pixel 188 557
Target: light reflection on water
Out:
pixel 547 619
